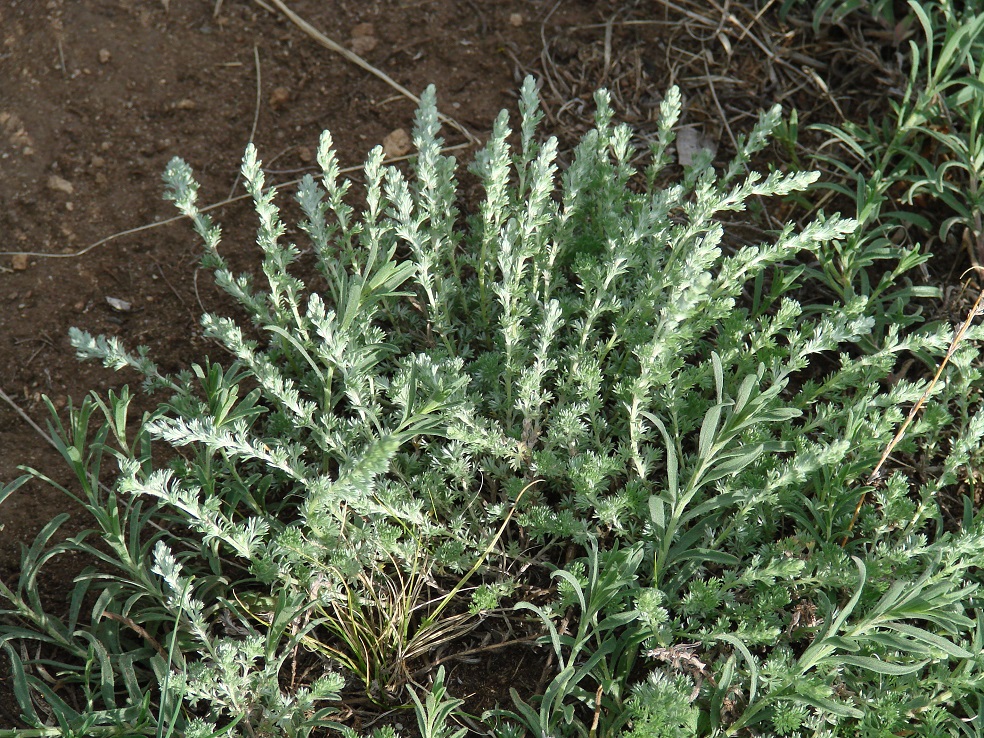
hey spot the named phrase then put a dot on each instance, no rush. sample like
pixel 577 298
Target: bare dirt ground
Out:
pixel 96 96
pixel 95 99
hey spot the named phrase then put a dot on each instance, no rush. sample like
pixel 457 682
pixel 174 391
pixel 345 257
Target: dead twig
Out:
pixel 608 48
pixel 61 56
pixel 27 419
pixel 140 631
pixel 256 110
pixel 717 104
pixel 876 474
pixel 472 651
pixel 547 61
pixel 690 14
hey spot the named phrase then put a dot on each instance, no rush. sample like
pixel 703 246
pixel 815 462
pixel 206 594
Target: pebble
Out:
pixel 363 44
pixel 60 184
pixel 19 262
pixel 363 38
pixel 515 20
pixel 397 143
pixel 104 56
pixel 13 128
pixel 120 306
pixel 279 97
pixel 185 104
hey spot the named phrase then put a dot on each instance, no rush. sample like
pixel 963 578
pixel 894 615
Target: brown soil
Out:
pixel 96 96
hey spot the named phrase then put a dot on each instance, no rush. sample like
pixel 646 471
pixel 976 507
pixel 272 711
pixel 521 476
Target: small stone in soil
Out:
pixel 104 56
pixel 279 97
pixel 60 184
pixel 363 38
pixel 19 262
pixel 396 143
pixel 362 44
pixel 120 306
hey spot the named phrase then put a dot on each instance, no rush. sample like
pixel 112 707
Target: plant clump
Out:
pixel 585 382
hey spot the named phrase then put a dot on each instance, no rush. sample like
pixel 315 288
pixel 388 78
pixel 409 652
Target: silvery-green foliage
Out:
pixel 592 361
pixel 662 707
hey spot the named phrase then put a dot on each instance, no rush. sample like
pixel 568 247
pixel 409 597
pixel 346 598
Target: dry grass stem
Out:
pixel 323 40
pixel 256 111
pixel 27 418
pixel 204 209
pixel 877 473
